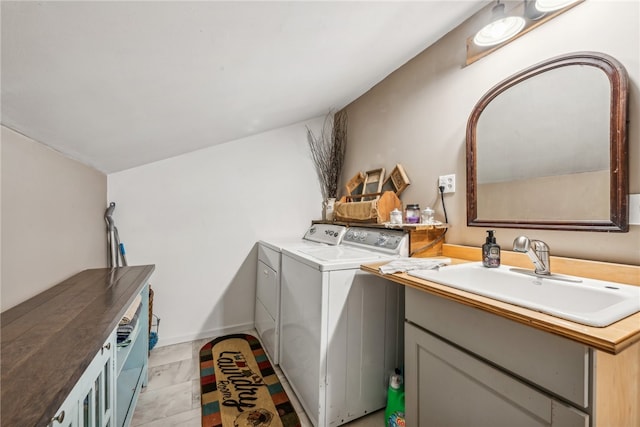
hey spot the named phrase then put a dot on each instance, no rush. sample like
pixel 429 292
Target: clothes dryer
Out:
pixel 267 308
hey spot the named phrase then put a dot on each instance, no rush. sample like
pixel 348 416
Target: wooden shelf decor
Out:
pixel 373 184
pixel 355 186
pixel 426 242
pixel 397 181
pixel 375 209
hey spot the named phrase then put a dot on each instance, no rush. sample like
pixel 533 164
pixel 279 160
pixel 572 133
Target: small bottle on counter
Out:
pixel 491 251
pixel 395 216
pixel 427 216
pixel 412 214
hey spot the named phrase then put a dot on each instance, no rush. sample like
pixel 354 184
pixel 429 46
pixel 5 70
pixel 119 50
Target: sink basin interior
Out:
pixel 589 302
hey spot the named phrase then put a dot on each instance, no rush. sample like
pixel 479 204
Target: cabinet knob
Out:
pixel 265 272
pixel 107 346
pixel 59 418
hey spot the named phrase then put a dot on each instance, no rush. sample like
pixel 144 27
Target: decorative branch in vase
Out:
pixel 327 152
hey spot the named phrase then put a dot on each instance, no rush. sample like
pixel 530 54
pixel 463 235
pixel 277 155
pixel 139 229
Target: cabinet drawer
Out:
pixel 553 363
pixel 269 256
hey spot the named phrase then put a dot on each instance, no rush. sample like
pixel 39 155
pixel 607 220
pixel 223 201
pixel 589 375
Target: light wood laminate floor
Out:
pixel 172 396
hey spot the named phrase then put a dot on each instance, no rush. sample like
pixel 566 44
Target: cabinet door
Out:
pixel 67 415
pixel 446 386
pixel 96 389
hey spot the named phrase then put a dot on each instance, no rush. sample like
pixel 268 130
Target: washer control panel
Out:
pixel 371 238
pixel 330 234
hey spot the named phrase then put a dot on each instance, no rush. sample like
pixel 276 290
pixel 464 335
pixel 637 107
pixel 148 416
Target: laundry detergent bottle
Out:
pixel 394 414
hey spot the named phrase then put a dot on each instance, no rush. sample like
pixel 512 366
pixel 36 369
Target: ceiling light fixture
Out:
pixel 552 5
pixel 531 11
pixel 501 28
pixel 508 20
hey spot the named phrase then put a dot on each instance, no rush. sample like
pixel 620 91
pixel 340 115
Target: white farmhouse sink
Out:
pixel 589 302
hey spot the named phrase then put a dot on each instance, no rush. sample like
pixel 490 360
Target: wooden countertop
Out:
pixel 48 341
pixel 611 339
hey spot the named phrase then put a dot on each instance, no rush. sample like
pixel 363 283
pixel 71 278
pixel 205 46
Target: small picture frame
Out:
pixel 397 181
pixel 355 186
pixel 373 182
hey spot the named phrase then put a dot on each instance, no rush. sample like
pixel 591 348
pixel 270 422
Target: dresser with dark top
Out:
pixel 59 360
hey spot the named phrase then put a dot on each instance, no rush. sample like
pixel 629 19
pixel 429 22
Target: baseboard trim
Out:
pixel 211 333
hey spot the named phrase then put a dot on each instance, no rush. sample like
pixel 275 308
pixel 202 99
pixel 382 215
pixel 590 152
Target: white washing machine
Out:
pixel 340 327
pixel 267 308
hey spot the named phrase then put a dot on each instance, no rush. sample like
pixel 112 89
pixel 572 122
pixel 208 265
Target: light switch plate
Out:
pixel 634 209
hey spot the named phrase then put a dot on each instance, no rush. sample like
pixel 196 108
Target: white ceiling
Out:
pixel 118 84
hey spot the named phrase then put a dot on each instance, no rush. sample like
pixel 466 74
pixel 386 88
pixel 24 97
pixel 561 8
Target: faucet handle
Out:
pixel 540 246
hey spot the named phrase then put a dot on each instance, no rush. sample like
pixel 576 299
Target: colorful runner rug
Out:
pixel 239 386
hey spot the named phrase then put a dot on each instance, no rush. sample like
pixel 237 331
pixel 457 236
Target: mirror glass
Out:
pixel 546 148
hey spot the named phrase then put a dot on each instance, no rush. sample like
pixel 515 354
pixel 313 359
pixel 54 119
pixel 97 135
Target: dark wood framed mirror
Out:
pixel 547 148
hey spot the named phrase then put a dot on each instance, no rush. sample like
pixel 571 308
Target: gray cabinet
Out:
pixel 468 367
pixel 446 386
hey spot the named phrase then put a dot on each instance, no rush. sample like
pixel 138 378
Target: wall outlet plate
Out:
pixel 448 182
pixel 634 209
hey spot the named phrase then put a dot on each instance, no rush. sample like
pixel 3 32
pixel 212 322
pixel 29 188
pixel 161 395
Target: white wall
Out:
pixel 418 115
pixel 198 216
pixel 52 218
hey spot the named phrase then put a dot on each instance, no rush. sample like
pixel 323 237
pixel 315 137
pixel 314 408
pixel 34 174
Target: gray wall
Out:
pixel 417 116
pixel 52 218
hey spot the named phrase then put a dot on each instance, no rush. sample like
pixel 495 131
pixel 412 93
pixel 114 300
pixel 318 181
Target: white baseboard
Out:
pixel 212 333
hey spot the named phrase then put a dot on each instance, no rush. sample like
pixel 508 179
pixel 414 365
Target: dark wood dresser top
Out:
pixel 48 341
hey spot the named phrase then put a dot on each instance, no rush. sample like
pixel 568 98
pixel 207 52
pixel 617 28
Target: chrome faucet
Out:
pixel 538 252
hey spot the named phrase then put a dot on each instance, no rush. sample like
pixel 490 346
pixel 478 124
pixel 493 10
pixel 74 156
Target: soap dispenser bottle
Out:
pixel 491 251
